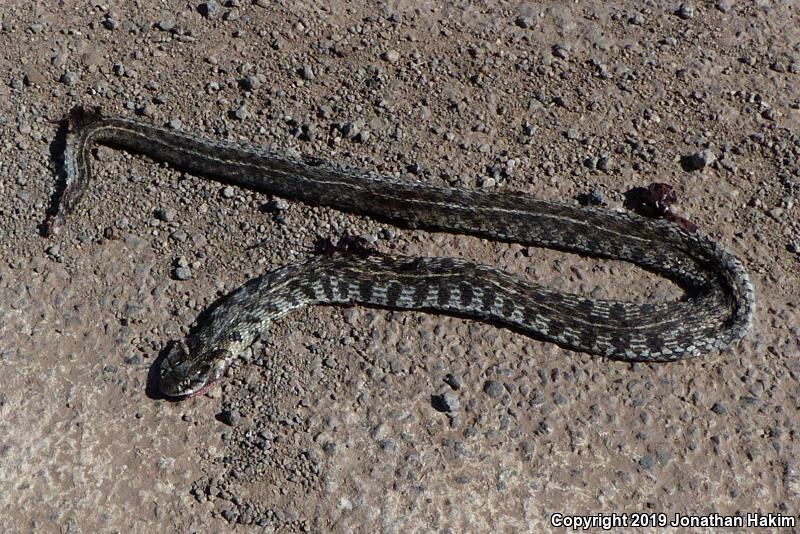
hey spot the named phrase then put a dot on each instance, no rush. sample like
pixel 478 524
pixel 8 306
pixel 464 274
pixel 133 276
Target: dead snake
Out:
pixel 716 310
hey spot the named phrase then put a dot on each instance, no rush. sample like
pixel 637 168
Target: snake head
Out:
pixel 186 374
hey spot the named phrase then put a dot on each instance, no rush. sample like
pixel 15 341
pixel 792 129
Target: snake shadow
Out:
pixel 56 149
pixel 151 389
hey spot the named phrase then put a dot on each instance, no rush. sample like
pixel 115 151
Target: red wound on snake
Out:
pixel 654 202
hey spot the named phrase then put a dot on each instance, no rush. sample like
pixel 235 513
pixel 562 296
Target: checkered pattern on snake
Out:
pixel 715 311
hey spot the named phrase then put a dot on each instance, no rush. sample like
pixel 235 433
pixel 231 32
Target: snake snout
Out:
pixel 172 373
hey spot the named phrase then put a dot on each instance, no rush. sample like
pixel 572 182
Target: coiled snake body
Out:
pixel 716 310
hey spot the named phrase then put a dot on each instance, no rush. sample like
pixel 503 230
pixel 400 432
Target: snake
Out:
pixel 713 313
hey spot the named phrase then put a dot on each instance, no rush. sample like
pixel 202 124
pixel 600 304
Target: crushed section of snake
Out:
pixel 715 312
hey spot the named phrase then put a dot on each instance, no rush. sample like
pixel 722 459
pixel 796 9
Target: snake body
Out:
pixel 715 312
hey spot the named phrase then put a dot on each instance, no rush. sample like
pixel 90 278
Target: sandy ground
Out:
pixel 328 424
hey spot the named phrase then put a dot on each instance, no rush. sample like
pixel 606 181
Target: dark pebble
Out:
pixel 524 22
pixel 646 462
pixel 686 11
pixel 388 445
pixel 453 381
pixel 446 402
pixel 493 388
pixel 719 409
pixel 165 214
pixel 747 400
pixel 229 515
pixel 230 417
pixel 701 159
pixel 182 273
pixel 208 9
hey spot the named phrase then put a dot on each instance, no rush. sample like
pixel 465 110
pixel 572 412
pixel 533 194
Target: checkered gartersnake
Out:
pixel 716 310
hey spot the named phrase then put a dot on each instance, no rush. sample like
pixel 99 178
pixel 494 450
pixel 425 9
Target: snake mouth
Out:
pixel 183 375
pixel 173 387
pixel 203 389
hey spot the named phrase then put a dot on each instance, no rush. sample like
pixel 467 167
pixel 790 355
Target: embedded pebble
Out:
pixel 351 129
pixel 453 381
pixel 69 78
pixel 209 9
pixel 165 214
pixel 241 113
pixel 182 273
pixel 165 25
pixel 307 72
pixel 686 11
pixel 719 408
pixel 493 388
pixel 700 160
pixel 646 462
pixel 230 417
pixel 723 5
pixel 250 83
pixel 446 402
pixel 524 22
pixel 391 56
pixel 277 204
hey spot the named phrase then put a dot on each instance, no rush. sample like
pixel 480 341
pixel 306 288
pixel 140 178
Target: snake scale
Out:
pixel 715 311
